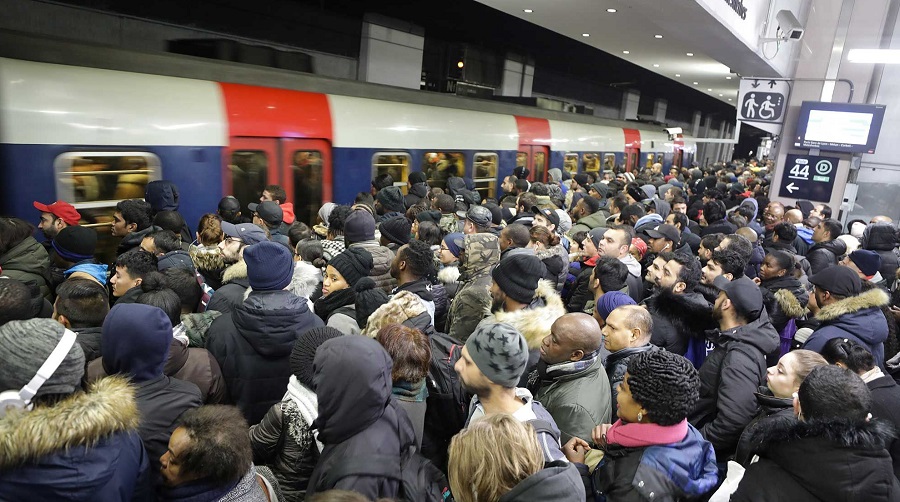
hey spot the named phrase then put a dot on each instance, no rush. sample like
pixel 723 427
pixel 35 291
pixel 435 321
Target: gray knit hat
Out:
pixel 499 351
pixel 26 345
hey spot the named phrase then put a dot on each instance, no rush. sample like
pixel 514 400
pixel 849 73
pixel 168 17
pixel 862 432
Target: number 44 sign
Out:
pixel 807 177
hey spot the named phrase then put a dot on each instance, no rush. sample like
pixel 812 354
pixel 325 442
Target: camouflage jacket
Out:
pixel 472 302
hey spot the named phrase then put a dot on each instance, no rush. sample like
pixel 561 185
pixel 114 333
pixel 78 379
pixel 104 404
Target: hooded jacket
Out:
pixel 882 238
pixel 287 213
pixel 253 346
pixel 231 293
pixel 678 317
pixel 472 302
pixel 84 448
pixel 209 262
pixel 590 222
pixel 729 379
pixel 357 416
pixel 162 195
pixel 417 192
pixel 785 299
pixel 858 318
pixel 381 264
pixel 803 461
pixel 771 408
pixel 825 254
pixel 28 261
pixel 558 481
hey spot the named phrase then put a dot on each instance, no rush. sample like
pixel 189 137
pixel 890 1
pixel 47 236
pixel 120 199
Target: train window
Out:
pixel 609 161
pixel 522 159
pixel 440 166
pixel 659 158
pixel 307 168
pixel 571 162
pixel 592 162
pixel 540 166
pixel 394 163
pixel 484 172
pixel 650 159
pixel 249 174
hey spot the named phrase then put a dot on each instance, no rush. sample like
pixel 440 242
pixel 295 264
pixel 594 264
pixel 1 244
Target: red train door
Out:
pixel 632 150
pixel 535 158
pixel 306 175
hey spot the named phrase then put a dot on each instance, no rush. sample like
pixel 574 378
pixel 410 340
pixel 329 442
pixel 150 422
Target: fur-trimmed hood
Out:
pixel 401 308
pixel 789 304
pixel 80 420
pixel 689 313
pixel 535 320
pixel 875 298
pixel 448 275
pixel 872 435
pixel 207 257
pixel 235 271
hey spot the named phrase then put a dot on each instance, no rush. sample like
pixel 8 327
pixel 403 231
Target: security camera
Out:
pixel 674 130
pixel 788 25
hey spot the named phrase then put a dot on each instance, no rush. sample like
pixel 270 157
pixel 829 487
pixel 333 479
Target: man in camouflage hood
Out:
pixel 472 303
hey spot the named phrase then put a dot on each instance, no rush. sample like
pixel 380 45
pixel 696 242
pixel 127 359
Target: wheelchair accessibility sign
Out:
pixel 763 100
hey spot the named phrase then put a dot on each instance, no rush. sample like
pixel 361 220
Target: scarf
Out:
pixel 413 392
pixel 325 305
pixel 301 408
pixel 872 374
pixel 572 367
pixel 631 435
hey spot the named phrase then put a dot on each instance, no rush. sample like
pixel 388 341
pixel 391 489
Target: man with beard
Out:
pixel 654 273
pixel 234 278
pixel 588 215
pixel 723 262
pixel 679 312
pixel 490 366
pixel 411 267
pixel 736 367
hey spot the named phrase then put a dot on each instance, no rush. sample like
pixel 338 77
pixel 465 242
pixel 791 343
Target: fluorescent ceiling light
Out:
pixel 728 78
pixel 677 74
pixel 656 66
pixel 729 99
pixel 696 83
pixel 611 11
pixel 878 56
pixel 657 36
pixel 689 54
pixel 585 34
pixel 626 52
pixel 720 95
pixel 710 90
pixel 527 11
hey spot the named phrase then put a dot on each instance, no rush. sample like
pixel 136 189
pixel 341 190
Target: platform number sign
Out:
pixel 808 177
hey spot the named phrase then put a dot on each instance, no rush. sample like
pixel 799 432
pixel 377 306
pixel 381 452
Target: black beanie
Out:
pixel 305 351
pixel 417 177
pixel 368 299
pixel 396 230
pixel 353 264
pixel 391 198
pixel 432 216
pixel 75 243
pixel 518 276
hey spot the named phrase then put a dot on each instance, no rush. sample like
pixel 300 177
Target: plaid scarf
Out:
pixel 571 367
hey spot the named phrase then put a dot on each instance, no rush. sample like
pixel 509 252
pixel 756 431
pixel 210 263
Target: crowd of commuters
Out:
pixel 605 336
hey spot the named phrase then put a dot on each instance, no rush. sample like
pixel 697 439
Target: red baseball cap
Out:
pixel 61 209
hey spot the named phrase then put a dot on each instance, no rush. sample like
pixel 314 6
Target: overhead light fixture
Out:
pixel 709 90
pixel 656 66
pixel 876 56
pixel 657 36
pixel 527 11
pixel 696 83
pixel 460 64
pixel 720 95
pixel 626 52
pixel 691 54
pixel 729 99
pixel 728 77
pixel 677 74
pixel 585 34
pixel 611 11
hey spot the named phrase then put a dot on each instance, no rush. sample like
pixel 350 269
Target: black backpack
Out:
pixel 447 403
pixel 420 480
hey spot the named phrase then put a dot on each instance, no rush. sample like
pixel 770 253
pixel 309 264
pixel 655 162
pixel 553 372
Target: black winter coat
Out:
pixel 234 285
pixel 275 443
pixel 558 481
pixel 722 226
pixel 882 238
pixel 770 408
pixel 161 402
pixel 886 407
pixel 785 299
pixel 825 254
pixel 253 347
pixel 678 317
pixel 729 379
pixel 803 461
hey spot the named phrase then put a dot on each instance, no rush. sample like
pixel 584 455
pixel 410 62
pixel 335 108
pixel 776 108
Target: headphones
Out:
pixel 21 399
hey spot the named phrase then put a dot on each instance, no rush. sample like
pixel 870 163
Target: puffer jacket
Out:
pixel 357 416
pixel 28 261
pixel 825 254
pixel 677 318
pixel 785 299
pixel 858 318
pixel 882 238
pixel 577 401
pixel 381 264
pixel 558 481
pixel 472 302
pixel 770 408
pixel 729 379
pixel 231 293
pixel 84 448
pixel 253 346
pixel 811 462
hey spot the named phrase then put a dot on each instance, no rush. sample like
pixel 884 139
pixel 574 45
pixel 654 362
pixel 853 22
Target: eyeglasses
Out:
pixel 232 239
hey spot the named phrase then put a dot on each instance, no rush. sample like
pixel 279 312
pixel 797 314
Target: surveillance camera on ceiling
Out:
pixel 788 25
pixel 674 130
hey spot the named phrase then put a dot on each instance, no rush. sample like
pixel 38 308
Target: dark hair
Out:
pixel 15 301
pixel 184 283
pixel 628 230
pixel 745 211
pixel 678 200
pixel 310 250
pixel 785 232
pixel 219 450
pixel 518 234
pixel 527 200
pixel 681 220
pixel 784 260
pixel 826 211
pixel 731 262
pixel 137 262
pixel 677 193
pixel 831 393
pixel 430 233
pixel 591 204
pixel 336 219
pixel 165 241
pixel 83 302
pixel 382 181
pixel 579 237
pixel 611 273
pixel 276 192
pixel 690 270
pixel 521 185
pixel 419 258
pixel 365 198
pixel 851 354
pixel 665 384
pixel 169 220
pixel 712 241
pixel 210 229
pixel 445 203
pixel 12 232
pixel 833 227
pixel 230 215
pixel 156 294
pixel 539 188
pixel 297 232
pixel 544 236
pixel 135 211
pixel 409 349
pixel 740 245
pixel 714 210
pixel 630 210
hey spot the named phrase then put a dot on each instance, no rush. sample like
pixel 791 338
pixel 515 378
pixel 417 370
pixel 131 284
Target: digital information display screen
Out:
pixel 839 127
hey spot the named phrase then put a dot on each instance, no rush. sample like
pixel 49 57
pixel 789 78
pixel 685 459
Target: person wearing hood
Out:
pixel 751 221
pixel 166 246
pixel 135 344
pixel 359 232
pixel 71 445
pixel 658 206
pixel 882 238
pixel 252 344
pixel 234 278
pixel 22 257
pixel 285 439
pixel 828 249
pixel 651 452
pixel 616 243
pixel 131 222
pixel 833 447
pixel 783 294
pixel 81 306
pixel 322 223
pixel 845 312
pixel 276 194
pixel 162 195
pixel 734 370
pixel 472 303
pixel 477 474
pixel 357 416
pixel 72 250
pixel 417 188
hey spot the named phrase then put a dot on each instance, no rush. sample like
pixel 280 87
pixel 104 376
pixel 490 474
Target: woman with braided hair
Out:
pixel 651 452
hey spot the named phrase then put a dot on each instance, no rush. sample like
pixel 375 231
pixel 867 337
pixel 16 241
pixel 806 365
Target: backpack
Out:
pixel 447 405
pixel 420 480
